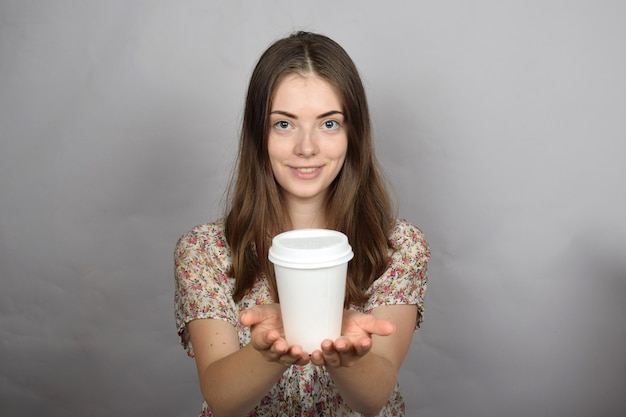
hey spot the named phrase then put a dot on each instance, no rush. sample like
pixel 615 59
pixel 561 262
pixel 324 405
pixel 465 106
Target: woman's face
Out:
pixel 307 141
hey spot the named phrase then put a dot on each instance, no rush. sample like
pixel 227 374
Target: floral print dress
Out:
pixel 203 290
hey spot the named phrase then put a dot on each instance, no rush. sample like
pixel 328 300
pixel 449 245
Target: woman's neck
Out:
pixel 307 216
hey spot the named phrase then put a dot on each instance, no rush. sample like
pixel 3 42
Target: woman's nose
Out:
pixel 307 144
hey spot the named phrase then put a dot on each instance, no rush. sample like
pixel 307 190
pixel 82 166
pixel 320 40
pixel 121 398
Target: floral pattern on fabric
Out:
pixel 203 290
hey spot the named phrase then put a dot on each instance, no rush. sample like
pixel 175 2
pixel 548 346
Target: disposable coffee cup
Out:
pixel 310 267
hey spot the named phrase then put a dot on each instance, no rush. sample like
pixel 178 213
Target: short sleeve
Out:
pixel 405 280
pixel 202 287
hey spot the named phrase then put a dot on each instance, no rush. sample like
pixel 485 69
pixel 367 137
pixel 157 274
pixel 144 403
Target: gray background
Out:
pixel 501 124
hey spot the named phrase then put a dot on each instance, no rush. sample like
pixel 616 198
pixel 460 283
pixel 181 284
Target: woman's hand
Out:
pixel 355 341
pixel 268 336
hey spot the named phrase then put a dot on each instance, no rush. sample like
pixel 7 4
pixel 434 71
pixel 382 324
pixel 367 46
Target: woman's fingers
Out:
pixel 363 346
pixel 341 352
pixel 258 314
pixel 356 342
pixel 382 327
pixel 330 352
pixel 372 325
pixel 293 356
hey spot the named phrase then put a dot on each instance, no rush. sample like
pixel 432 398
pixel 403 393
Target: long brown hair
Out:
pixel 358 202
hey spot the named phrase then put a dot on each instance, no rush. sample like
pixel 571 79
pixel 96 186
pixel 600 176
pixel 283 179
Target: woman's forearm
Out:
pixel 367 385
pixel 235 384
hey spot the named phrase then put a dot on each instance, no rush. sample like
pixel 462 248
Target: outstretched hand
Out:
pixel 355 340
pixel 268 336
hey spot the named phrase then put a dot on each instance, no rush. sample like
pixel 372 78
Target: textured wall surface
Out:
pixel 501 123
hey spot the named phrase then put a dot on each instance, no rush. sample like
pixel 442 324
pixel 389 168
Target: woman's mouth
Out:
pixel 306 172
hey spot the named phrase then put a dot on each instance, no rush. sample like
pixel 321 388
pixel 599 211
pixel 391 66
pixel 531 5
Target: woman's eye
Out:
pixel 282 125
pixel 331 124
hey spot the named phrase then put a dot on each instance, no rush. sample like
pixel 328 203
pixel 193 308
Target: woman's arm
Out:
pixel 233 380
pixel 364 362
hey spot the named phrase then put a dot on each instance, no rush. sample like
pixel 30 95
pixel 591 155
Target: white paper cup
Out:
pixel 310 267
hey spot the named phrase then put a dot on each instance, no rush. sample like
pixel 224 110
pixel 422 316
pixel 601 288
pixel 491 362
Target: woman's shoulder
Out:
pixel 406 236
pixel 202 235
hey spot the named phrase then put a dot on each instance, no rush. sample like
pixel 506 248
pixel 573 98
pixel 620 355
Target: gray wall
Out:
pixel 501 123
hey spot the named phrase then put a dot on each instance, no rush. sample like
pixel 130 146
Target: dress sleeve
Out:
pixel 202 289
pixel 405 280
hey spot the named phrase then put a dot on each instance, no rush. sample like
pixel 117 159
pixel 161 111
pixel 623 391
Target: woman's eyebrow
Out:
pixel 329 113
pixel 293 116
pixel 284 113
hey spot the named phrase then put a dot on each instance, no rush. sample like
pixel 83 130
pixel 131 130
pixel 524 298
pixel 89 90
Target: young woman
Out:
pixel 305 160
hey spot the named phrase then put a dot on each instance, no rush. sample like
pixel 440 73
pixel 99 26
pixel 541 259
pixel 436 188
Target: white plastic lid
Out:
pixel 310 248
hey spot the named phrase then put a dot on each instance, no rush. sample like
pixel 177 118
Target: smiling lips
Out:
pixel 306 172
